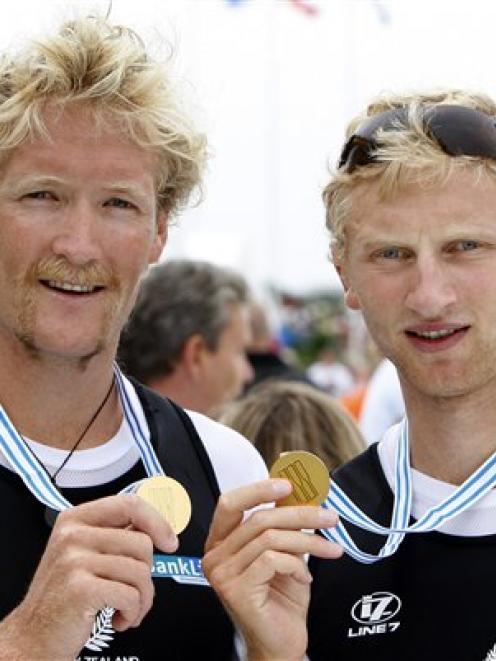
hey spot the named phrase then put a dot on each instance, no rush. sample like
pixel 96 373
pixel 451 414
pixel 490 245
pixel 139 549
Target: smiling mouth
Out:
pixel 71 288
pixel 437 335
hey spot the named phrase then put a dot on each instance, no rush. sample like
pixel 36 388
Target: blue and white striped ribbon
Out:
pixel 35 476
pixel 473 489
pixel 37 479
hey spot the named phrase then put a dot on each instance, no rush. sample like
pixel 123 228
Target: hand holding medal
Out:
pixel 112 566
pixel 308 475
pixel 256 564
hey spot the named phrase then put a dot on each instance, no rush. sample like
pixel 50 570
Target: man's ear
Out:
pixel 193 355
pixel 350 298
pixel 160 239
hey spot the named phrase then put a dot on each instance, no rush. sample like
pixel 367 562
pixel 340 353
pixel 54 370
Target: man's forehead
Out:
pixel 446 210
pixel 78 114
pixel 425 190
pixel 75 142
pixel 81 122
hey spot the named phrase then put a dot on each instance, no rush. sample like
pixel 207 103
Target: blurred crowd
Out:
pixel 287 373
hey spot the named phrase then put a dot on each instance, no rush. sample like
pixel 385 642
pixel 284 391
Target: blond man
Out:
pixel 96 157
pixel 412 211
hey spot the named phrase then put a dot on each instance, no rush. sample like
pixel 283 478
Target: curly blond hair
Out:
pixel 106 67
pixel 407 154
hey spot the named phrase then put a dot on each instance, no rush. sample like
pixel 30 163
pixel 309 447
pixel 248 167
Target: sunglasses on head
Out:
pixel 458 130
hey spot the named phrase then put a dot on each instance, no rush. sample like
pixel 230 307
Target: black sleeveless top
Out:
pixel 186 621
pixel 433 599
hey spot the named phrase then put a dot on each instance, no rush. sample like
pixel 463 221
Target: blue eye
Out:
pixel 40 195
pixel 465 246
pixel 392 253
pixel 119 203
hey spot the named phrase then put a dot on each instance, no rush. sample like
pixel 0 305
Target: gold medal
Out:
pixel 307 473
pixel 169 498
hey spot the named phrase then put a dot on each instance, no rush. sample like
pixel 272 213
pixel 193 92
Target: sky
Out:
pixel 273 87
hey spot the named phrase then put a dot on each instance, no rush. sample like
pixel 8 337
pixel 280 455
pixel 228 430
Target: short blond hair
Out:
pixel 106 67
pixel 279 416
pixel 407 154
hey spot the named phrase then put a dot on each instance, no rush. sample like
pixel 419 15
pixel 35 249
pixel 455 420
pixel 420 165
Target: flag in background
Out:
pixel 308 6
pixel 311 7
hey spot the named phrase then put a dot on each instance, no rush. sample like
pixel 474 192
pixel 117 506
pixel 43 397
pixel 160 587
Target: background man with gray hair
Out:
pixel 187 335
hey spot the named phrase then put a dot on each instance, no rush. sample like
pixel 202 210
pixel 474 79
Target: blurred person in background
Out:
pixel 383 405
pixel 365 357
pixel 279 416
pixel 331 375
pixel 187 335
pixel 263 354
pixel 353 401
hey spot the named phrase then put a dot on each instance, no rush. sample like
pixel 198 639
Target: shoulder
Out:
pixel 235 460
pixel 364 482
pixel 363 475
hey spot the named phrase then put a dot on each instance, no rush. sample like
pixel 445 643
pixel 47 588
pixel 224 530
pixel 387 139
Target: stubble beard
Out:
pixel 450 382
pixel 26 316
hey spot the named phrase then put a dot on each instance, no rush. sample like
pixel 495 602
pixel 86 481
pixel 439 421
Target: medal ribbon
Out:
pixel 473 489
pixel 36 479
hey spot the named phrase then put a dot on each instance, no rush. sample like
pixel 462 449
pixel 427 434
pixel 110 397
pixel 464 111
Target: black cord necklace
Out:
pixel 76 444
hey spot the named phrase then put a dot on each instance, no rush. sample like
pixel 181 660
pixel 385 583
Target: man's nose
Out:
pixel 432 290
pixel 77 237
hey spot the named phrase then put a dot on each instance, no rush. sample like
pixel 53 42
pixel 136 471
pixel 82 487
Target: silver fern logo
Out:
pixel 491 655
pixel 102 632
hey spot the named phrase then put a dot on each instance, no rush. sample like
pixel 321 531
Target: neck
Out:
pixel 451 437
pixel 179 387
pixel 51 400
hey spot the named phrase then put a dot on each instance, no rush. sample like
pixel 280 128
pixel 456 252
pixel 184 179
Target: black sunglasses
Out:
pixel 458 130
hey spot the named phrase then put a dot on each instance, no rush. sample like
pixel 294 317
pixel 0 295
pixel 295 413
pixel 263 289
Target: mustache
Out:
pixel 92 274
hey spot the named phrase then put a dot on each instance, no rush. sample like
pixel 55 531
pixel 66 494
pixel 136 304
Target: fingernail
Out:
pixel 172 542
pixel 281 487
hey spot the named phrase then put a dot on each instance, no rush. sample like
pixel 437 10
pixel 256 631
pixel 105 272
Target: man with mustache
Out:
pixel 96 158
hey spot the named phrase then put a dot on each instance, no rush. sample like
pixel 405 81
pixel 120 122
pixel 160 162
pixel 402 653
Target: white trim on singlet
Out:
pixel 479 520
pixel 235 460
pixel 90 467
